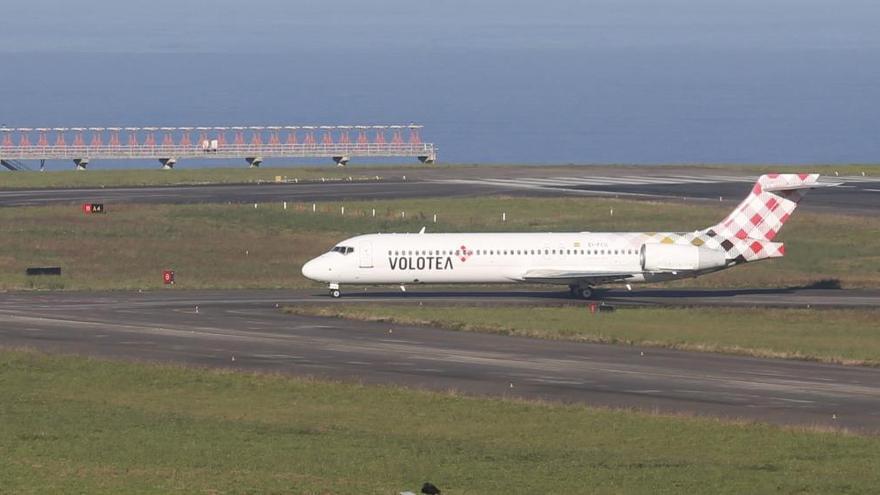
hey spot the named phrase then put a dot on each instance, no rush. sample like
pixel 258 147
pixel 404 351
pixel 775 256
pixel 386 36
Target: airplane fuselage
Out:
pixel 578 259
pixel 481 258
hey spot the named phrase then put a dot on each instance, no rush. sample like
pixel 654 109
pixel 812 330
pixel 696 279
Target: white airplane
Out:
pixel 580 260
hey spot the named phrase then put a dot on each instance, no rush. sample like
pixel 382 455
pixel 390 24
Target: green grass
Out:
pixel 159 177
pixel 127 248
pixel 76 425
pixel 232 246
pixel 848 336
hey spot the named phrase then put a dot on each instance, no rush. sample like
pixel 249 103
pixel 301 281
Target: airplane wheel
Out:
pixel 335 294
pixel 586 293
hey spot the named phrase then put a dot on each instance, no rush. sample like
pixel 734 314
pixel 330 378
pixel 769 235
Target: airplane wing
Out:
pixel 569 276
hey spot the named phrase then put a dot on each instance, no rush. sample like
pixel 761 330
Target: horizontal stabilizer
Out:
pixel 796 187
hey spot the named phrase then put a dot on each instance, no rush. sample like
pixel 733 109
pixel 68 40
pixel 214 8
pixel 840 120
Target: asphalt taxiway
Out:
pixel 245 330
pixel 860 195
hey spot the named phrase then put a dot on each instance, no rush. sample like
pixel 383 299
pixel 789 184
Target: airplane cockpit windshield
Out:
pixel 342 249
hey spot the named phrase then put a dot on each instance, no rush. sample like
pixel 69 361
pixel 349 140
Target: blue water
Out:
pixel 617 81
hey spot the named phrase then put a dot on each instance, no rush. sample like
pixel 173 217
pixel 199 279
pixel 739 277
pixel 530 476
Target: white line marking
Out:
pixel 618 181
pixel 796 401
pixel 542 182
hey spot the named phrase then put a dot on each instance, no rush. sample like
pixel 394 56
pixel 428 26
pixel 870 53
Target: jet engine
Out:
pixel 657 257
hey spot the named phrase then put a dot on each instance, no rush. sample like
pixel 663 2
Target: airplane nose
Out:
pixel 311 270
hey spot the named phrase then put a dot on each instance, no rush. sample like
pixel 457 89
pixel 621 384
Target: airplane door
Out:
pixel 366 255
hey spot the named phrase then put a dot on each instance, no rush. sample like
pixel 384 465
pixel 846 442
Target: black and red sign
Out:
pixel 90 208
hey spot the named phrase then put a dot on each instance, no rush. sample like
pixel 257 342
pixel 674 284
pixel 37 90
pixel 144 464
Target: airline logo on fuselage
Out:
pixel 428 262
pixel 420 263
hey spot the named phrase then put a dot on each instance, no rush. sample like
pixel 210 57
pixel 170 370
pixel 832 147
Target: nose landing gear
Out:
pixel 334 291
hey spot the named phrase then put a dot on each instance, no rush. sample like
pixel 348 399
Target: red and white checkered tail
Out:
pixel 760 217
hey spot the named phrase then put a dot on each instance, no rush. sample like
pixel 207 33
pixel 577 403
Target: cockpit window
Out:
pixel 342 249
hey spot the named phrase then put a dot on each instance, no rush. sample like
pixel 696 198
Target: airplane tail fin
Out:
pixel 747 233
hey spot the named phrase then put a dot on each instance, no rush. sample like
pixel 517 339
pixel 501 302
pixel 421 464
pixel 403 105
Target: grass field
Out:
pixel 76 425
pixel 159 177
pixel 841 336
pixel 232 246
pixel 184 176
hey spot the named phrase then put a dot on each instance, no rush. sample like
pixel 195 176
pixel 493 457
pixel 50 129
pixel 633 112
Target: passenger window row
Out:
pixel 513 252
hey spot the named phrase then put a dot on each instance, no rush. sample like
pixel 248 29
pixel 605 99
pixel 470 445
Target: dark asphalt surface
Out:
pixel 244 330
pixel 862 196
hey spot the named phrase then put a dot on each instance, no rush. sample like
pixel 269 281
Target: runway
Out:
pixel 244 330
pixel 860 195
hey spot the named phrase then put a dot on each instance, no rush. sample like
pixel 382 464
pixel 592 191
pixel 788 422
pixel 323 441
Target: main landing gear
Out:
pixel 334 291
pixel 582 291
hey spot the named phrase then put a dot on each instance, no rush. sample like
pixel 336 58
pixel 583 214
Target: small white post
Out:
pixel 342 210
pixel 313 207
pixel 611 212
pixel 374 212
pixel 255 206
pixel 435 218
pixel 503 216
pixel 285 205
pixel 403 214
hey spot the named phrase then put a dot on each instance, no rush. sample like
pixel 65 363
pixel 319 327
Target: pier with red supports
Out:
pixel 253 144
